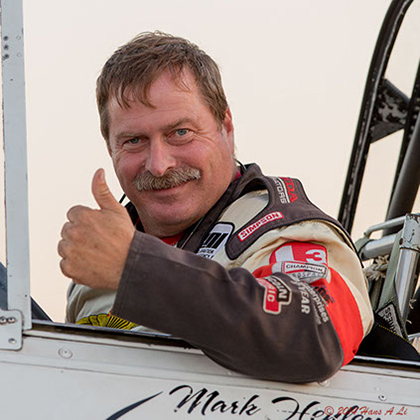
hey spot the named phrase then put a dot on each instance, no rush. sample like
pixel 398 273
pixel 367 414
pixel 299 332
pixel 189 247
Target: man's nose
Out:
pixel 159 159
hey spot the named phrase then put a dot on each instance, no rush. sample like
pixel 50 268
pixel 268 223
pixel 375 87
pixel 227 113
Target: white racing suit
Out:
pixel 265 284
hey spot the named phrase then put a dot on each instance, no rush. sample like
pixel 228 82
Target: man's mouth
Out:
pixel 171 179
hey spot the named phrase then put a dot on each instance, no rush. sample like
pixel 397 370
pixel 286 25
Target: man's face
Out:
pixel 178 141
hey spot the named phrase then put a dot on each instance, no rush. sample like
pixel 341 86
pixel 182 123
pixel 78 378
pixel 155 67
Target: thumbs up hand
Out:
pixel 95 243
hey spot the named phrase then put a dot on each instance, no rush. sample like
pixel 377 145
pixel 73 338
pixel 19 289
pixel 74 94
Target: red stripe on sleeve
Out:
pixel 343 312
pixel 340 305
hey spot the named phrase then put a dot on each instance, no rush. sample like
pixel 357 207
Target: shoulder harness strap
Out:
pixel 288 204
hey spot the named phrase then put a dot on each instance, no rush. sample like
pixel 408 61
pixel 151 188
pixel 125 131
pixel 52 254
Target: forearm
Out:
pixel 221 312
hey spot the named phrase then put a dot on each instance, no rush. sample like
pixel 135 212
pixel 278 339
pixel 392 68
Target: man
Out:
pixel 240 265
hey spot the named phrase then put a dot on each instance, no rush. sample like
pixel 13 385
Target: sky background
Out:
pixel 294 73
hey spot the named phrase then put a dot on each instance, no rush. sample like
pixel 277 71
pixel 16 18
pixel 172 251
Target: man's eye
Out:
pixel 134 140
pixel 182 132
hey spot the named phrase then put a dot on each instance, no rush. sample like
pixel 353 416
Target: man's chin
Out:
pixel 165 227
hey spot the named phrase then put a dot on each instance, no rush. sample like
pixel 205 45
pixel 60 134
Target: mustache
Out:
pixel 173 178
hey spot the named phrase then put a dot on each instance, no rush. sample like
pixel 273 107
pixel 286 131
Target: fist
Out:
pixel 95 243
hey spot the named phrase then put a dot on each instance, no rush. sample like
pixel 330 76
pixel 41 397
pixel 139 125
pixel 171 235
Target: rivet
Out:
pixel 3 320
pixel 65 353
pixel 11 320
pixel 12 341
pixel 382 397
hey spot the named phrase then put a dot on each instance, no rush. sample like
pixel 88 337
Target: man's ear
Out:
pixel 229 129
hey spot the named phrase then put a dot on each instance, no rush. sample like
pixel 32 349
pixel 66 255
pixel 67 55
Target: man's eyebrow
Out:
pixel 178 123
pixel 127 134
pixel 168 127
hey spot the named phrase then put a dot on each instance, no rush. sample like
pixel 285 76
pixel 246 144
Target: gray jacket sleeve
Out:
pixel 220 312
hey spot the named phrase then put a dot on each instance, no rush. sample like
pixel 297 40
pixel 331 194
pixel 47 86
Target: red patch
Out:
pixel 300 251
pixel 276 294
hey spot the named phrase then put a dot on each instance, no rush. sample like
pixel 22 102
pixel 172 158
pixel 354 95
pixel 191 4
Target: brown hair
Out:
pixel 136 65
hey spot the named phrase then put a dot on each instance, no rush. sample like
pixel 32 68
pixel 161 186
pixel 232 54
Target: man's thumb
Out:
pixel 102 194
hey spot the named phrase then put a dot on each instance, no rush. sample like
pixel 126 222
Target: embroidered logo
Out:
pixel 301 260
pixel 300 251
pixel 243 234
pixel 277 293
pixel 286 190
pixel 215 240
pixel 304 271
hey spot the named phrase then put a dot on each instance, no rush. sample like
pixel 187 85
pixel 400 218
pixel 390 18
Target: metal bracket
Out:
pixel 371 248
pixel 406 277
pixel 411 233
pixel 390 113
pixel 10 330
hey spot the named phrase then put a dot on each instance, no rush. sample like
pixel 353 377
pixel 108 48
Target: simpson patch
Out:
pixel 249 230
